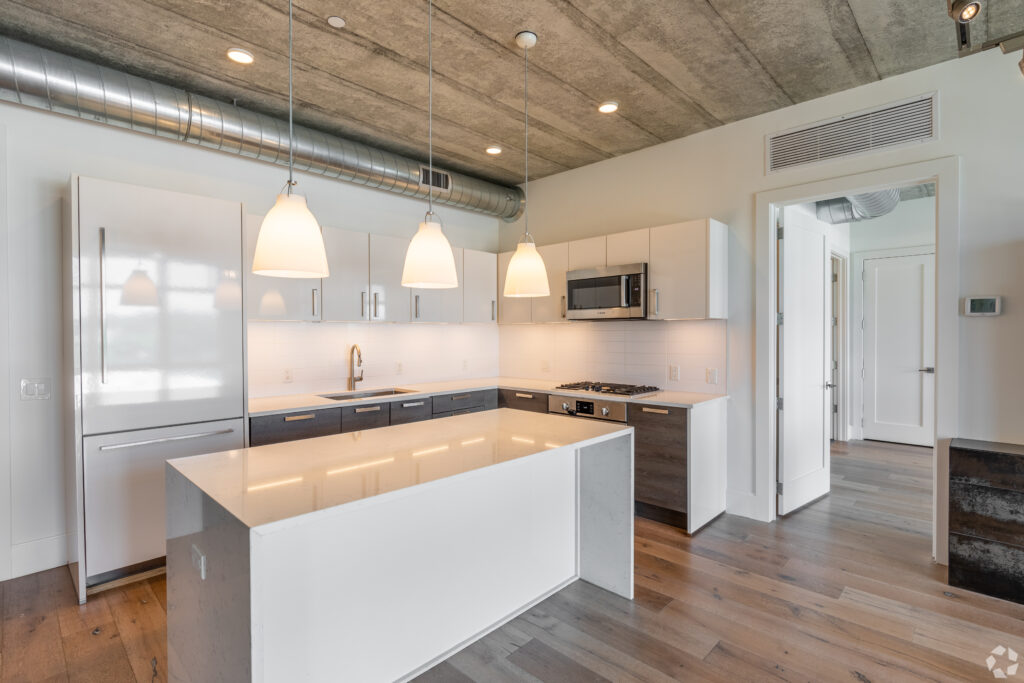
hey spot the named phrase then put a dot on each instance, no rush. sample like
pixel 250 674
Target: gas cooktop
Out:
pixel 632 390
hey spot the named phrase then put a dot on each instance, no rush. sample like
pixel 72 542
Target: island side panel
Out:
pixel 706 463
pixel 376 590
pixel 208 619
pixel 606 514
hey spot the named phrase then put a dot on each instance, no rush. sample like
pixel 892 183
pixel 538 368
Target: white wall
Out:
pixel 637 352
pixel 718 172
pixel 43 150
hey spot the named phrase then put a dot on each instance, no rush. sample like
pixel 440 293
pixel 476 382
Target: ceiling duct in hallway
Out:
pixel 48 80
pixel 858 207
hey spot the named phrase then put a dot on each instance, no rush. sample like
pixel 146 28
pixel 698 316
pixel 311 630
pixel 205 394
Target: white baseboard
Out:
pixel 38 555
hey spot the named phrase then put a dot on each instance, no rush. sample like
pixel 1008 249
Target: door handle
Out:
pixel 368 409
pixel 103 306
pixel 929 371
pixel 166 439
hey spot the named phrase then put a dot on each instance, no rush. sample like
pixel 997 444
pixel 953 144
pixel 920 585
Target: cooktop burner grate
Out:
pixel 611 388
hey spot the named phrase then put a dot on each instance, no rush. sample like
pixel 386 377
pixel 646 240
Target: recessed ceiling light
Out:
pixel 609 107
pixel 965 11
pixel 237 54
pixel 336 22
pixel 493 150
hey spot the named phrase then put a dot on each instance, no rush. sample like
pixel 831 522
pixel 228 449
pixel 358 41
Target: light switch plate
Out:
pixel 711 375
pixel 36 389
pixel 673 373
pixel 287 376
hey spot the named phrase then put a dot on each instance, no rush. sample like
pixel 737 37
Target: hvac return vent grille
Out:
pixel 896 124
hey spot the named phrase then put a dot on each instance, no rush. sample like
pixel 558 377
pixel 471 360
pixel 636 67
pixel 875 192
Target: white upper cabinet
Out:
pixel 347 290
pixel 388 301
pixel 479 286
pixel 552 308
pixel 510 309
pixel 626 248
pixel 440 305
pixel 688 271
pixel 588 253
pixel 277 298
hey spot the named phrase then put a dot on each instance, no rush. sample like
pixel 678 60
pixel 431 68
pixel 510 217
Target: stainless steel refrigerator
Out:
pixel 153 360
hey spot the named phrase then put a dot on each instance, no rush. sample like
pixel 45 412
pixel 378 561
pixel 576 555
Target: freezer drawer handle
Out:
pixel 656 411
pixel 166 439
pixel 368 409
pixel 297 418
pixel 518 395
pixel 415 404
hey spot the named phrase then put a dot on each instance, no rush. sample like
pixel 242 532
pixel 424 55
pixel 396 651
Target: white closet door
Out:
pixel 899 349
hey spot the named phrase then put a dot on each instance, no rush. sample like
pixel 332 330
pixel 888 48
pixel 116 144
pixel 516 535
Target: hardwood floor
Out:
pixel 843 590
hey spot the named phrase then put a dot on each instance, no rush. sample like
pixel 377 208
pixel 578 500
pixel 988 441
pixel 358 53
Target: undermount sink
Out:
pixel 369 393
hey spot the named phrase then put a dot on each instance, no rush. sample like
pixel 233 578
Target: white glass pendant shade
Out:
pixel 526 275
pixel 290 243
pixel 429 261
pixel 139 290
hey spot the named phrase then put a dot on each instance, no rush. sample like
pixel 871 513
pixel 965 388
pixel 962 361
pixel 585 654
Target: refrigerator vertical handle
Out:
pixel 103 306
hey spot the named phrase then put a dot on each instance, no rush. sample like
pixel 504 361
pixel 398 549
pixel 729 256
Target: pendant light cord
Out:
pixel 430 107
pixel 291 126
pixel 526 115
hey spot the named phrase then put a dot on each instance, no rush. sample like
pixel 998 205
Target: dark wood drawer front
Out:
pixel 369 416
pixel 659 455
pixel 487 399
pixel 413 410
pixel 523 400
pixel 1002 467
pixel 292 426
pixel 985 512
pixel 465 411
pixel 988 567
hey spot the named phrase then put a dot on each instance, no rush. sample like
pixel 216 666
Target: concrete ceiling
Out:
pixel 676 66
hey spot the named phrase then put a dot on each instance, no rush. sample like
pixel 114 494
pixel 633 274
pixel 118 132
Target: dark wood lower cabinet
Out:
pixel 268 429
pixel 371 416
pixel 659 461
pixel 986 518
pixel 412 410
pixel 532 401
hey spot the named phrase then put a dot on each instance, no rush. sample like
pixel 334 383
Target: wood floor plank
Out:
pixel 552 666
pixel 92 644
pixel 32 645
pixel 142 624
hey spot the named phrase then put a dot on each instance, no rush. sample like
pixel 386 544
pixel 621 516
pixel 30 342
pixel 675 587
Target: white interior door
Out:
pixel 899 349
pixel 804 355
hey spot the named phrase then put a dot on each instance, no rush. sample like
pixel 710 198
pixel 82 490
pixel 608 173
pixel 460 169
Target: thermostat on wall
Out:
pixel 983 305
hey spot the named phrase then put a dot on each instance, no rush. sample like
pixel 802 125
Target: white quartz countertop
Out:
pixel 281 481
pixel 298 402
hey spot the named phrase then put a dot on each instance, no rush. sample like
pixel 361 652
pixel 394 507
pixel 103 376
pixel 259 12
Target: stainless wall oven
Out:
pixel 607 293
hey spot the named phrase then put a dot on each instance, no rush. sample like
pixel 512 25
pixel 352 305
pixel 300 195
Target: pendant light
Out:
pixel 429 261
pixel 290 243
pixel 526 275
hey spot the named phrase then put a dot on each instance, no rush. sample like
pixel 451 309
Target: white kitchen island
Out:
pixel 372 555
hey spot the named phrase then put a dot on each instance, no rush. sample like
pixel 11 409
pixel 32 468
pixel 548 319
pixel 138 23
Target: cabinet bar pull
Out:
pixel 314 301
pixel 657 303
pixel 362 305
pixel 563 306
pixel 518 395
pixel 150 442
pixel 460 397
pixel 493 302
pixel 368 409
pixel 103 306
pixel 376 313
pixel 297 418
pixel 415 404
pixel 417 305
pixel 656 411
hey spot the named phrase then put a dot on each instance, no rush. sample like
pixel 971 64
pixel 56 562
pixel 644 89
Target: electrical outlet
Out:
pixel 36 389
pixel 465 365
pixel 398 367
pixel 287 376
pixel 711 375
pixel 673 373
pixel 545 366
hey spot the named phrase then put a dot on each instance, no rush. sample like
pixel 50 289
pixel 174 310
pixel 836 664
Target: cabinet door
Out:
pixel 440 305
pixel 276 298
pixel 389 300
pixel 660 461
pixel 627 248
pixel 530 401
pixel 125 510
pixel 510 309
pixel 480 286
pixel 347 289
pixel 678 271
pixel 358 418
pixel 588 253
pixel 266 429
pixel 552 308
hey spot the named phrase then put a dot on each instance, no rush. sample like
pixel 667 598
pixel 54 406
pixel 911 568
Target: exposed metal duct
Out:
pixel 48 80
pixel 858 207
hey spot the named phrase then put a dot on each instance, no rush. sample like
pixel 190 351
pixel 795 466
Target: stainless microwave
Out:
pixel 607 293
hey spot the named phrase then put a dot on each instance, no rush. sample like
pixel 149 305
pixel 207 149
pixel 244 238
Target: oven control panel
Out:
pixel 581 407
